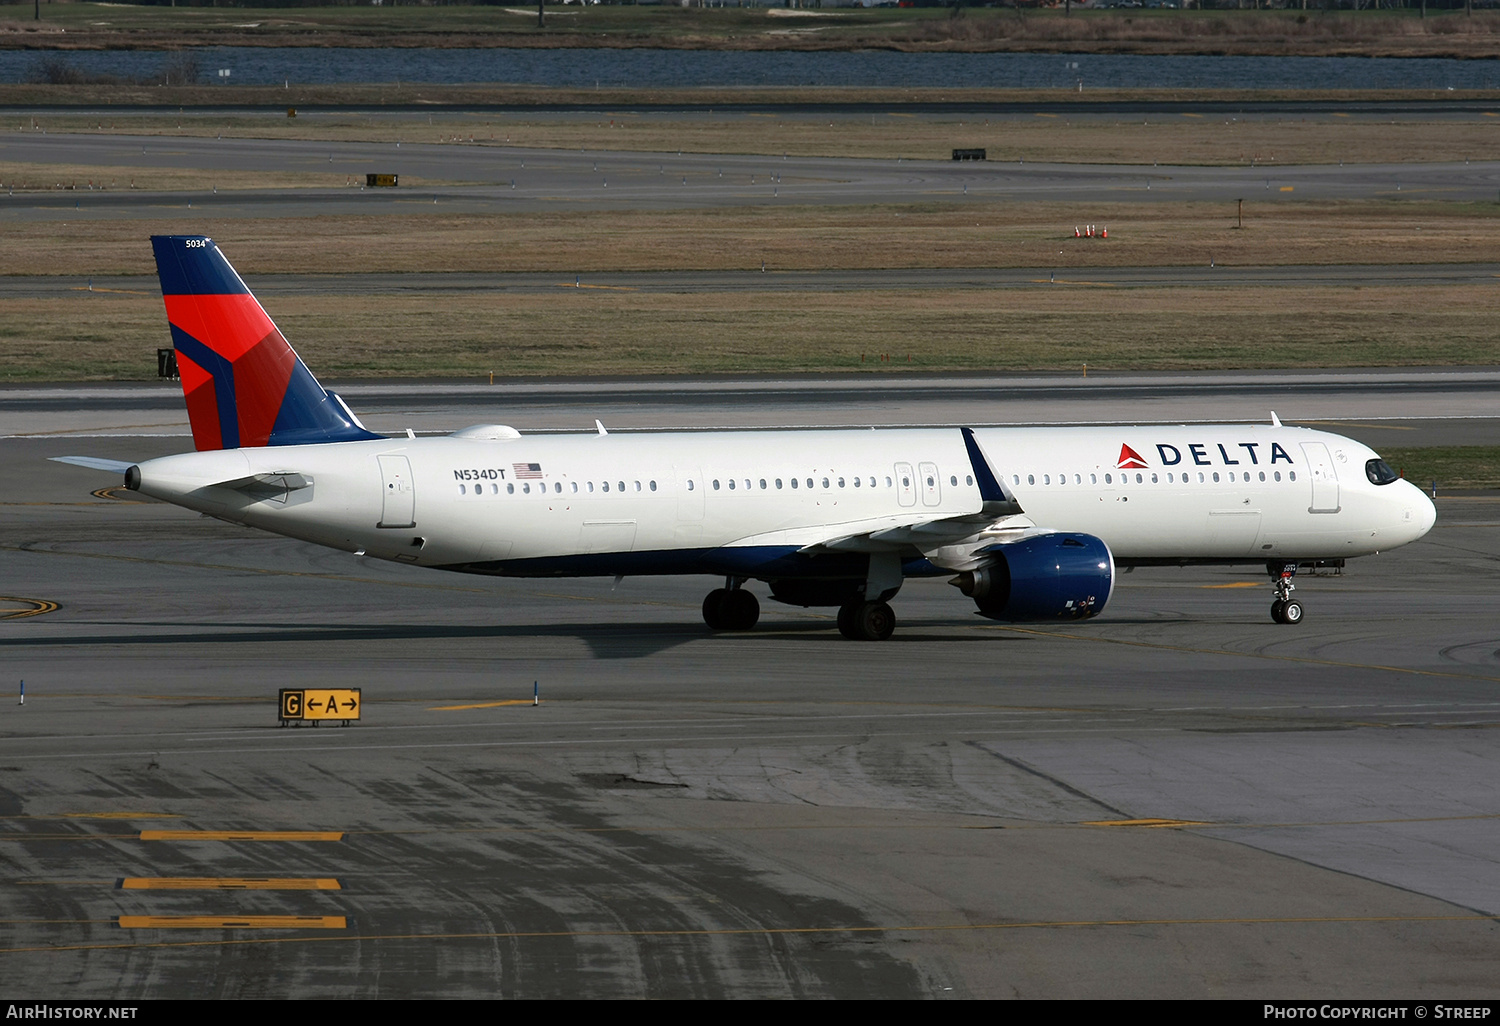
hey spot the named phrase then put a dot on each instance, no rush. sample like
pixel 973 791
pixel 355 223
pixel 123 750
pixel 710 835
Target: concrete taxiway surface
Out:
pixel 1179 798
pixel 497 177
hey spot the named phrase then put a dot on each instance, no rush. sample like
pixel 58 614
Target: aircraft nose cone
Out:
pixel 1418 513
pixel 1426 514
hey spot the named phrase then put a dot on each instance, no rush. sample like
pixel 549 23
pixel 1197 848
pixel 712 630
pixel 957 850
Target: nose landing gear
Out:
pixel 731 608
pixel 1285 609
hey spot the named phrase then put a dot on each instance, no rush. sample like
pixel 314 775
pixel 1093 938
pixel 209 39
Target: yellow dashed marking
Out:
pixel 35 607
pixel 242 835
pixel 233 923
pixel 123 292
pixel 1287 188
pixel 119 815
pixel 228 883
pixel 1072 281
pixel 604 288
pixel 1236 584
pixel 1148 822
pixel 1192 115
pixel 112 492
pixel 1046 115
pixel 480 705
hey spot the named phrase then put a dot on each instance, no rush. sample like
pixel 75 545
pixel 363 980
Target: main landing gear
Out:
pixel 1285 609
pixel 866 621
pixel 731 608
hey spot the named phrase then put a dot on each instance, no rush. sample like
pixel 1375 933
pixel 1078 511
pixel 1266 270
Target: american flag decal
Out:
pixel 525 471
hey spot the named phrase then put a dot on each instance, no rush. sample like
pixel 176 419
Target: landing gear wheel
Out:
pixel 1291 612
pixel 1278 608
pixel 714 607
pixel 847 616
pixel 742 609
pixel 726 610
pixel 866 621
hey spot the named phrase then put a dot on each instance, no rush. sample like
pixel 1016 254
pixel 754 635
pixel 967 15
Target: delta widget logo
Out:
pixel 1130 459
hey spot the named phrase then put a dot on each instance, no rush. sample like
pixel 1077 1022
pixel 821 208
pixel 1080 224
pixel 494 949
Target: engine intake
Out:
pixel 1049 577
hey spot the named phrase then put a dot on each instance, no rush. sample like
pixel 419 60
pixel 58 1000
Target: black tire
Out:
pixel 1292 612
pixel 876 621
pixel 714 608
pixel 848 615
pixel 742 610
pixel 1277 609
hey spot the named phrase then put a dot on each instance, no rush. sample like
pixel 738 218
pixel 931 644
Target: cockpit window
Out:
pixel 1379 472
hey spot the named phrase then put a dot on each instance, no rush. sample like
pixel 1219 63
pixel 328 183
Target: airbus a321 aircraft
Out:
pixel 1031 524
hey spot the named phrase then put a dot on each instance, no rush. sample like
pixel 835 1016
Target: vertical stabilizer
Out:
pixel 243 383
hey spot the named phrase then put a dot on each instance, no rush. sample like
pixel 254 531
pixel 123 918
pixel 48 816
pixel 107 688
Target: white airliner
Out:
pixel 1030 523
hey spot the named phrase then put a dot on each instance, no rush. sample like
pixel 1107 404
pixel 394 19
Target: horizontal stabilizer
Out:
pixel 94 463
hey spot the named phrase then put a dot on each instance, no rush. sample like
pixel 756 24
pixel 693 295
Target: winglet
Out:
pixel 1275 420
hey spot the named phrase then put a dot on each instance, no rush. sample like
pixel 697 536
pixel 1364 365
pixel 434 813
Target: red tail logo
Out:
pixel 1130 459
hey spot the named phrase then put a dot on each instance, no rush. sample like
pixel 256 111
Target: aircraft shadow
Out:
pixel 605 641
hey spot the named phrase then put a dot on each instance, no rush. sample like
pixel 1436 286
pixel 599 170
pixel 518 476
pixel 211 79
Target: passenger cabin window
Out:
pixel 1379 472
pixel 690 484
pixel 778 482
pixel 1031 479
pixel 605 485
pixel 1291 475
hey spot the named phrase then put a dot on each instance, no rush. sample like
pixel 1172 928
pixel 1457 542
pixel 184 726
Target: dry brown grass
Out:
pixel 29 177
pixel 934 28
pixel 573 331
pixel 1078 138
pixel 1277 231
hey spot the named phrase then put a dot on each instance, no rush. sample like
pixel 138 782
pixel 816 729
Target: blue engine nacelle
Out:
pixel 1049 577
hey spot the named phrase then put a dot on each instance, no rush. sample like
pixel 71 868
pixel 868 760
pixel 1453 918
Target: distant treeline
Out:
pixel 55 69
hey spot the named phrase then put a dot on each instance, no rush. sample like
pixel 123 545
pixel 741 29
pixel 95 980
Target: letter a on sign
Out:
pixel 1129 459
